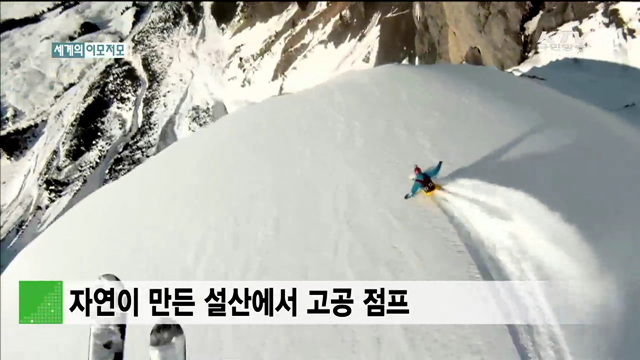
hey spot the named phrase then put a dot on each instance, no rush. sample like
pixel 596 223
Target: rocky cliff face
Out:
pixel 70 126
pixel 481 33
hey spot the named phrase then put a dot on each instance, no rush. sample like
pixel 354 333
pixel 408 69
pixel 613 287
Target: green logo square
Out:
pixel 41 302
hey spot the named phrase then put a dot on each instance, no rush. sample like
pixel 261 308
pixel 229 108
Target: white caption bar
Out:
pixel 346 302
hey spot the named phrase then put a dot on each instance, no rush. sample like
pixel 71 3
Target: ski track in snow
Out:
pixel 507 242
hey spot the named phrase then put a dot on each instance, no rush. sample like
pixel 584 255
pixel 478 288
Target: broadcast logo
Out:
pixel 88 50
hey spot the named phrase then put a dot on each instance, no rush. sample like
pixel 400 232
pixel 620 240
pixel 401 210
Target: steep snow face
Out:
pixel 310 186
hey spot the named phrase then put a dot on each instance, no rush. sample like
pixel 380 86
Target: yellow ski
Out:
pixel 428 193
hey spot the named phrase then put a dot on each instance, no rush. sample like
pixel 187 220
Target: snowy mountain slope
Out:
pixel 60 109
pixel 609 86
pixel 70 126
pixel 310 185
pixel 65 134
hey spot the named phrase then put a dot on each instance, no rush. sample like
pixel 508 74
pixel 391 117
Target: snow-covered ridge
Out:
pixel 70 126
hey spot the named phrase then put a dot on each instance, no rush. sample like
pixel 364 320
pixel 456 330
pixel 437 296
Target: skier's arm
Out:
pixel 414 189
pixel 433 172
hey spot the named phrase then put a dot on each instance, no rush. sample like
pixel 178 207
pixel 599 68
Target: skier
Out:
pixel 422 180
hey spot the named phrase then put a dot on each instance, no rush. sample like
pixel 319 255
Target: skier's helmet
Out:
pixel 417 170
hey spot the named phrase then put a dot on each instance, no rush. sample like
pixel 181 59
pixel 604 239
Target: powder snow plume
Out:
pixel 512 236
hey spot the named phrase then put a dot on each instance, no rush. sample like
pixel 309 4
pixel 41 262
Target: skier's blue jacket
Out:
pixel 422 177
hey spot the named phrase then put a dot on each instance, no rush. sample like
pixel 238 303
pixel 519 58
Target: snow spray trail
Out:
pixel 512 236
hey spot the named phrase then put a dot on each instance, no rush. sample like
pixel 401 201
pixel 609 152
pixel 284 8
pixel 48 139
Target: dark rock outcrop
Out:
pixel 15 143
pixel 11 24
pixel 446 31
pixel 224 12
pixel 88 27
pixel 473 56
